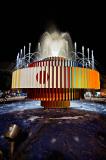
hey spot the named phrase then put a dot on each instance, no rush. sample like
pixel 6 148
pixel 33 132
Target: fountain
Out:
pixel 58 74
pixel 56 44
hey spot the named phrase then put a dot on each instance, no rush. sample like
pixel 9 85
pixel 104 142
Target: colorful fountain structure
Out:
pixel 57 72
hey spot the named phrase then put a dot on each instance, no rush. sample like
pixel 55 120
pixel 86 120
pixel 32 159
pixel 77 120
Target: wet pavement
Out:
pixel 56 134
pixel 80 105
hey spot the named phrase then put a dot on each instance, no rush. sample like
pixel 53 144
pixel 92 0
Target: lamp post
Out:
pixel 29 51
pixel 24 52
pixel 88 56
pixel 92 60
pixel 83 55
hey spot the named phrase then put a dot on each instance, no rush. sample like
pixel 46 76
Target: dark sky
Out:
pixel 21 23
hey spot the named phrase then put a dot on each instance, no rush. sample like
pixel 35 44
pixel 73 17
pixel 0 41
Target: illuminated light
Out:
pixel 53 140
pixel 76 139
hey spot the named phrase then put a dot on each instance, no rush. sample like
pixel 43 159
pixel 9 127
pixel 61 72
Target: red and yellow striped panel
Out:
pixel 56 77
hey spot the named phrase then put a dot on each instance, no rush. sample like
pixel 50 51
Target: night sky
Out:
pixel 21 23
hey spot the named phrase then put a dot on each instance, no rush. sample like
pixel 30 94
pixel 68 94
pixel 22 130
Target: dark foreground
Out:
pixel 56 135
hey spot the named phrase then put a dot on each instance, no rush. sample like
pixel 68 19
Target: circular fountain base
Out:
pixel 55 104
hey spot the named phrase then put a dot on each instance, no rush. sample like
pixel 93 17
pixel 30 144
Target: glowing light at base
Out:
pixel 57 79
